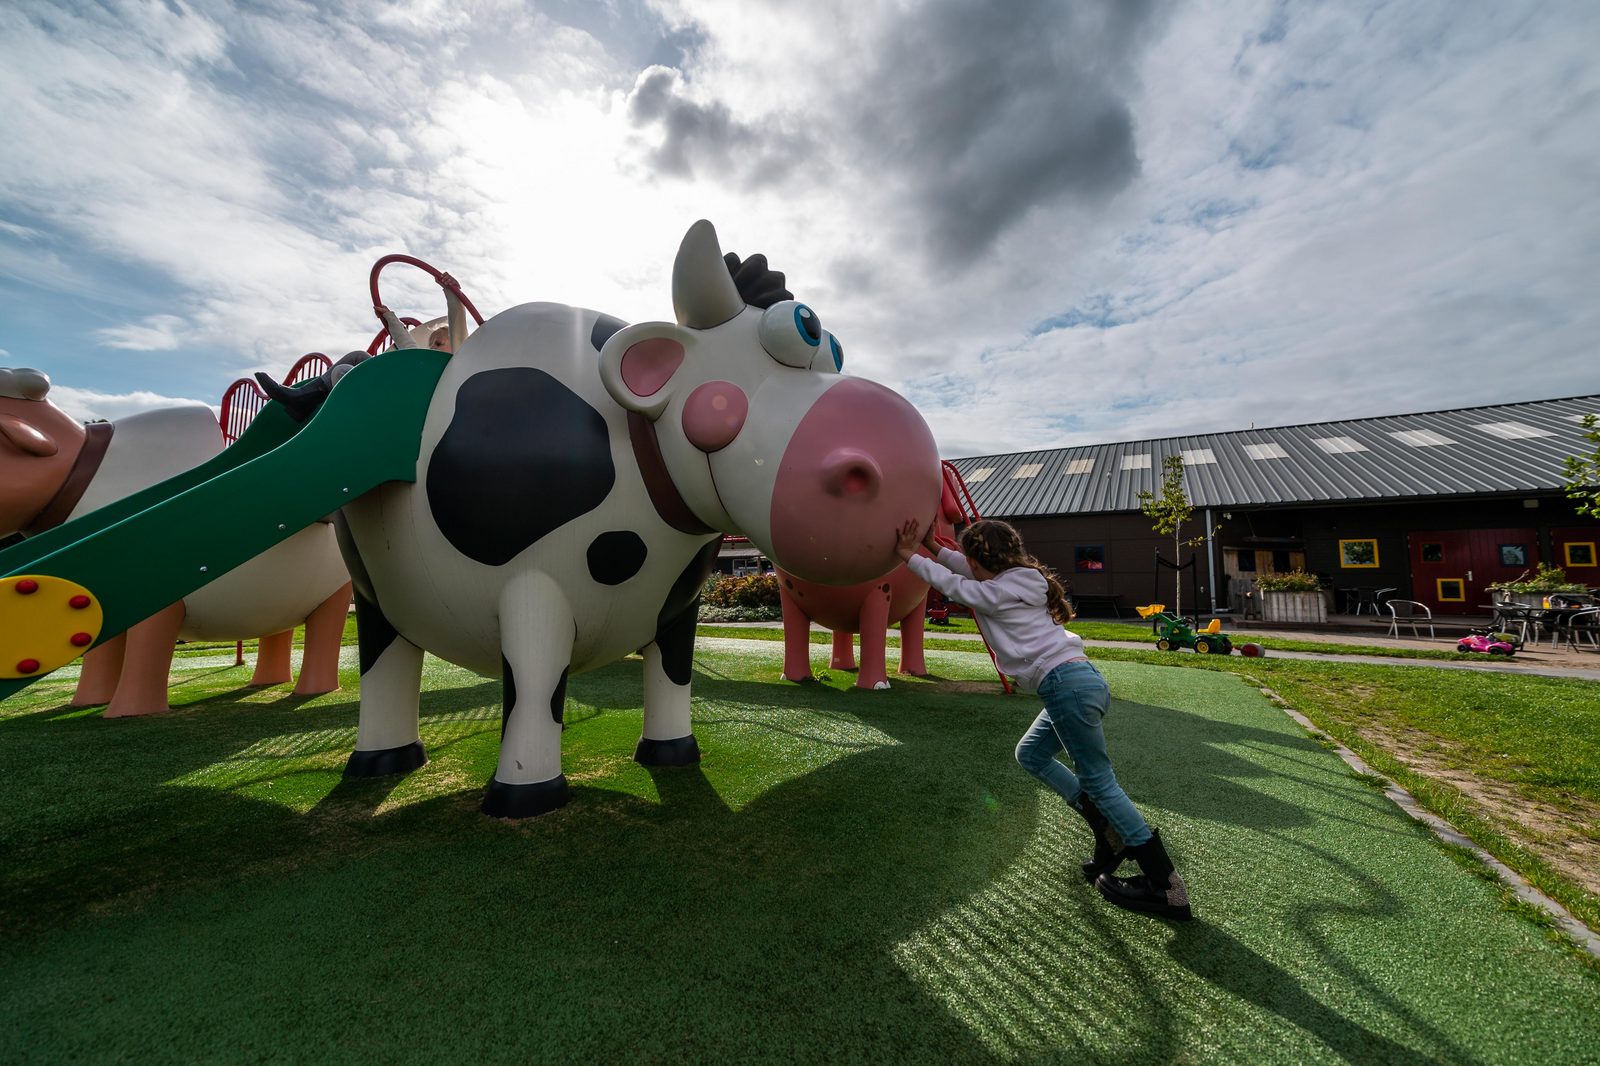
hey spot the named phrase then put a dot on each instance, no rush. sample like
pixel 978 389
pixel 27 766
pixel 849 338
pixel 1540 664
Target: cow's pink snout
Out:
pixel 851 474
pixel 861 462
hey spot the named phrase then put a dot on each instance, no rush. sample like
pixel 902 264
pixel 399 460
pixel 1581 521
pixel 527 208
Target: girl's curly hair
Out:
pixel 996 546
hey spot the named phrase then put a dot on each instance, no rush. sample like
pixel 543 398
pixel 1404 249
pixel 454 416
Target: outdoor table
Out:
pixel 1358 596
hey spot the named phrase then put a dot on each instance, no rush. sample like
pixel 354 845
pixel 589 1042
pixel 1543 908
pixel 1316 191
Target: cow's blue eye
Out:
pixel 838 353
pixel 792 334
pixel 805 320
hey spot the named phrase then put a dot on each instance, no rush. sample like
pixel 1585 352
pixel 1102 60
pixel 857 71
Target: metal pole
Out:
pixel 1211 563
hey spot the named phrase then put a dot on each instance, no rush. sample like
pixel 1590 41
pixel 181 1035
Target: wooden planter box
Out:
pixel 1293 606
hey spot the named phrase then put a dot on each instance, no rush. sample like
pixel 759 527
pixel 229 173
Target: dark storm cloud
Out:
pixel 705 140
pixel 984 112
pixel 965 115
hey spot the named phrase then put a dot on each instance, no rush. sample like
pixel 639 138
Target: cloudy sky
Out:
pixel 1047 222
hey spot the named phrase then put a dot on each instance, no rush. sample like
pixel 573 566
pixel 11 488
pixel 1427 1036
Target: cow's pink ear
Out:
pixel 639 364
pixel 26 437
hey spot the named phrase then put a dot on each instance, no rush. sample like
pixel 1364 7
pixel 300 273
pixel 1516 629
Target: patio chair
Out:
pixel 1579 629
pixel 1409 612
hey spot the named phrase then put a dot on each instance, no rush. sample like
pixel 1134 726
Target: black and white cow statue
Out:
pixel 574 480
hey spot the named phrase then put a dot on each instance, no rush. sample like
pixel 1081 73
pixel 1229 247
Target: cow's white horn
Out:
pixel 703 293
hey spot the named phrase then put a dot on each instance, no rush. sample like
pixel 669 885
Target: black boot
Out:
pixel 1108 848
pixel 306 399
pixel 1158 890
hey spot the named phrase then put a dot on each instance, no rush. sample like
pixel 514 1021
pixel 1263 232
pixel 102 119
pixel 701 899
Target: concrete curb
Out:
pixel 1585 937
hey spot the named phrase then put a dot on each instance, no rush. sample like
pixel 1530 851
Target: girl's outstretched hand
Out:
pixel 906 539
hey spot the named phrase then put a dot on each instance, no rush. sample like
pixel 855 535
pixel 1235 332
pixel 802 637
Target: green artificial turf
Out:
pixel 847 876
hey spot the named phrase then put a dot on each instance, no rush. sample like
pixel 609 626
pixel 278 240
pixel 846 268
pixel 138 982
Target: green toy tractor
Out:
pixel 1172 632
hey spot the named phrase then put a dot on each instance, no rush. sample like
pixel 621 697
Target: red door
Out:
pixel 1452 569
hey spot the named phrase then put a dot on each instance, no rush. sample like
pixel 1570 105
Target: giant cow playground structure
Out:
pixel 532 500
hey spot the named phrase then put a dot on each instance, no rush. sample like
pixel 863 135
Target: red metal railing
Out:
pixel 445 281
pixel 240 405
pixel 307 367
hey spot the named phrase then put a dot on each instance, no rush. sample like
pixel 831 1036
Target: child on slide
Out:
pixel 1023 610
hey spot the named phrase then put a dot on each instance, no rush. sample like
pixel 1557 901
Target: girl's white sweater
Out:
pixel 1027 642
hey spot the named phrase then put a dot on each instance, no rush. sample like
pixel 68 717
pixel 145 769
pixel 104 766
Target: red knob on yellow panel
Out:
pixel 54 622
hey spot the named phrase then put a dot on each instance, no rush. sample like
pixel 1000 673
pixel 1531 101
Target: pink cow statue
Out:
pixel 54 468
pixel 868 608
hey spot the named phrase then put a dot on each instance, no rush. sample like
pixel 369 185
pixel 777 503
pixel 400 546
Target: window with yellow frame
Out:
pixel 1450 590
pixel 1358 554
pixel 1580 553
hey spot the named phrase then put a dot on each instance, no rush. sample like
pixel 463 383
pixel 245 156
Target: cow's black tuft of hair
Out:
pixel 758 284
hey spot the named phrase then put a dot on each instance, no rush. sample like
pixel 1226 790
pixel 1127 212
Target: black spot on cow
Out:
pixel 508 693
pixel 675 625
pixel 523 456
pixel 616 556
pixel 604 327
pixel 374 632
pixel 686 589
pixel 558 698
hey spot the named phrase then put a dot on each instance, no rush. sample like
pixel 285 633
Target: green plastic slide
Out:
pixel 140 554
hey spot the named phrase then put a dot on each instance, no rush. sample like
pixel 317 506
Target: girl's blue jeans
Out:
pixel 1076 698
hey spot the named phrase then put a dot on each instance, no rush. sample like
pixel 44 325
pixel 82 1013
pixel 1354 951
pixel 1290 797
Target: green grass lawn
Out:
pixel 848 876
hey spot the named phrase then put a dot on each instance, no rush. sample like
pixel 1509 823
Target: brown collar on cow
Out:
pixel 97 438
pixel 669 503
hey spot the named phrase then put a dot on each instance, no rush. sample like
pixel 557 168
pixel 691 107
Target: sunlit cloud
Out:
pixel 1065 224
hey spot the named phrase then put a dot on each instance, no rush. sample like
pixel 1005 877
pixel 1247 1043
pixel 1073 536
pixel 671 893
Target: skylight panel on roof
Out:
pixel 1420 438
pixel 1136 462
pixel 1079 466
pixel 1198 456
pixel 978 475
pixel 1269 450
pixel 1028 470
pixel 1335 445
pixel 1513 430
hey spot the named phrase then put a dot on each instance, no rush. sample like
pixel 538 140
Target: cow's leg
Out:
pixel 844 650
pixel 796 638
pixel 912 660
pixel 101 669
pixel 146 662
pixel 272 659
pixel 387 736
pixel 536 635
pixel 319 665
pixel 668 738
pixel 874 639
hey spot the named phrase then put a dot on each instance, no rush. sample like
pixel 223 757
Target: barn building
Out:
pixel 1434 506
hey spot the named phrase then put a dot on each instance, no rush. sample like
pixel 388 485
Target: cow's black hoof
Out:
pixel 526 801
pixel 684 751
pixel 386 761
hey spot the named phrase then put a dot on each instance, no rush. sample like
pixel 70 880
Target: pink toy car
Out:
pixel 1487 643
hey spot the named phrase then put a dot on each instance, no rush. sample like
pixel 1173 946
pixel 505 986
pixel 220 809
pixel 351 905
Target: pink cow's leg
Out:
pixel 874 637
pixel 844 650
pixel 272 659
pixel 796 638
pixel 911 657
pixel 146 664
pixel 101 668
pixel 319 668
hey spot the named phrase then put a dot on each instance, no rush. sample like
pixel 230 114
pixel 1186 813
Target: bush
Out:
pixel 1547 578
pixel 751 591
pixel 1289 581
pixel 740 614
